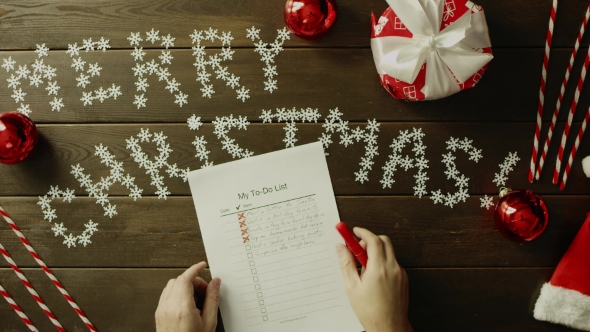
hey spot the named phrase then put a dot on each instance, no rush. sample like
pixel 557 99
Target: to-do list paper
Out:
pixel 268 227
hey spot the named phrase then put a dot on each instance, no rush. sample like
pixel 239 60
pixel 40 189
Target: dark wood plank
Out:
pixel 63 146
pixel 456 299
pixel 317 78
pixel 58 22
pixel 152 233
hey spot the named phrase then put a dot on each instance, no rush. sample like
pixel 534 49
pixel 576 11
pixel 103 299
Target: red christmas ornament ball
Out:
pixel 521 215
pixel 18 137
pixel 310 19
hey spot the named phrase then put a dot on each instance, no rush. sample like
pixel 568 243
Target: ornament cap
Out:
pixel 504 191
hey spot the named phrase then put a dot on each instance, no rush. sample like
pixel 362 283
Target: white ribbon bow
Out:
pixel 448 53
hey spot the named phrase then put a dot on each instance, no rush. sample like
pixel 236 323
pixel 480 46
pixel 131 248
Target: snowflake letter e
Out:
pixel 397 159
pixel 461 182
pixel 100 94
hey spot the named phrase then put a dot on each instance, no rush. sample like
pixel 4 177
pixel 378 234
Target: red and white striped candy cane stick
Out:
pixel 542 92
pixel 31 290
pixel 560 97
pixel 570 118
pixel 17 309
pixel 570 160
pixel 47 271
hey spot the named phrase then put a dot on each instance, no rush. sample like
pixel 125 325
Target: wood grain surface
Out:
pixel 464 276
pixel 25 24
pixel 452 299
pixel 154 233
pixel 62 146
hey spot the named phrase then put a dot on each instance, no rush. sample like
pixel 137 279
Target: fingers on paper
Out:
pixel 347 265
pixel 211 304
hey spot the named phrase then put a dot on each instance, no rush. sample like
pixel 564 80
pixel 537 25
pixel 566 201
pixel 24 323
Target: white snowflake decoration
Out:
pixel 59 229
pixel 42 50
pixel 268 52
pixel 290 117
pixel 452 173
pixel 8 64
pixel 333 123
pixel 486 202
pixel 160 161
pixel 42 73
pixel 101 94
pixel 505 168
pixel 396 159
pixel 214 62
pixel 222 126
pixel 97 190
pixel 154 67
pixel 500 178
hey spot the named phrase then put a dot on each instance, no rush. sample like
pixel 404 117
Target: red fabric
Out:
pixel 390 25
pixel 573 271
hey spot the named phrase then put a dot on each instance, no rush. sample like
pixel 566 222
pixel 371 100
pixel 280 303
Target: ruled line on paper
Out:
pixel 297 298
pixel 254 223
pixel 282 261
pixel 278 253
pixel 270 239
pixel 273 212
pixel 299 306
pixel 290 283
pixel 285 268
pixel 288 200
pixel 301 314
pixel 292 274
pixel 297 290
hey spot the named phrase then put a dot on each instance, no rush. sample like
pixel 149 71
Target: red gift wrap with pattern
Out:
pixel 426 50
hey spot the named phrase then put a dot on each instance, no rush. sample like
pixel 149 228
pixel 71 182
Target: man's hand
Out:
pixel 379 296
pixel 177 310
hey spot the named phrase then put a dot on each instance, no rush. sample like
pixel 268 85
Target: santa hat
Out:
pixel 565 299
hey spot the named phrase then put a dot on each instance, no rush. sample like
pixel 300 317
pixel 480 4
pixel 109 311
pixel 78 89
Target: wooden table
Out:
pixel 464 276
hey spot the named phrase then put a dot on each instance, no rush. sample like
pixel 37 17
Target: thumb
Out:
pixel 211 304
pixel 347 265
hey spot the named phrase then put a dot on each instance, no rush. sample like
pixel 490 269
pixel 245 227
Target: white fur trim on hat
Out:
pixel 586 166
pixel 563 306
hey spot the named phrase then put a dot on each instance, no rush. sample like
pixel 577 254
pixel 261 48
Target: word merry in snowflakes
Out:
pixel 147 67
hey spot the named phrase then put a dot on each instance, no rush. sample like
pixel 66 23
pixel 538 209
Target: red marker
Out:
pixel 352 243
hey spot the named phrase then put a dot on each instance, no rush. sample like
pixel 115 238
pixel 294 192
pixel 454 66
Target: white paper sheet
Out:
pixel 268 227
